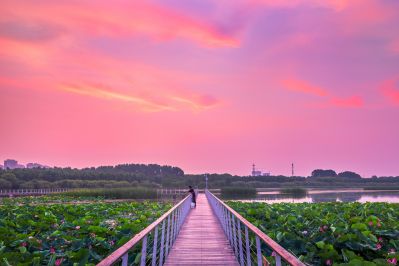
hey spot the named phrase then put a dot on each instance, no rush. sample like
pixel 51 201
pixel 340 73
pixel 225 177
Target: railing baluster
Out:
pixel 231 228
pixel 143 251
pixel 258 251
pixel 154 248
pixel 172 229
pixel 125 259
pixel 234 236
pixel 278 260
pixel 240 243
pixel 161 252
pixel 167 237
pixel 248 251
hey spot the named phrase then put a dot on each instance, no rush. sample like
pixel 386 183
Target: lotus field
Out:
pixel 330 233
pixel 69 234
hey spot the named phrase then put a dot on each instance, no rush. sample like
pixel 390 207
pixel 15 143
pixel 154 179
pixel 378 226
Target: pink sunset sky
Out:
pixel 206 85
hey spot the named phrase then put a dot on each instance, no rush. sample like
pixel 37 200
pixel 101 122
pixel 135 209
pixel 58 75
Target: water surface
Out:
pixel 314 196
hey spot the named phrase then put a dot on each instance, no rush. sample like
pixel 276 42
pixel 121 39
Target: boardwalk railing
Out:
pixel 250 245
pixel 29 191
pixel 152 245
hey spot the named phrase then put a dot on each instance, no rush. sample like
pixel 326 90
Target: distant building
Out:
pixel 35 165
pixel 1 167
pixel 12 164
pixel 257 172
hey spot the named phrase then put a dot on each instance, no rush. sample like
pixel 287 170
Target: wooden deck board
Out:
pixel 201 240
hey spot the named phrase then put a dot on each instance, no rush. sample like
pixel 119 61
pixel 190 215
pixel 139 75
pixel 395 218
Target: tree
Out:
pixel 4 184
pixel 323 173
pixel 349 174
pixel 11 178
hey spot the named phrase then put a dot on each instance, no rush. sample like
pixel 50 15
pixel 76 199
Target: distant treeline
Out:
pixel 156 176
pixel 104 176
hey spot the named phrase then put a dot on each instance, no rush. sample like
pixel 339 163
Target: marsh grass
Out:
pixel 238 192
pixel 294 192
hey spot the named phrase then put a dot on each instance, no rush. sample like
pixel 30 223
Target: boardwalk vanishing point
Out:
pixel 210 234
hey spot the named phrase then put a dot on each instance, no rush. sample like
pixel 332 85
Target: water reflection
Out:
pixel 328 196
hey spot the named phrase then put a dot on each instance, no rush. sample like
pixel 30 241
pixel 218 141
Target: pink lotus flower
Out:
pixel 379 246
pixel 52 250
pixel 371 223
pixel 24 244
pixel 77 227
pixel 329 262
pixel 325 227
pixel 380 239
pixel 379 224
pixel 274 254
pixel 391 251
pixel 393 261
pixel 111 242
pixel 58 261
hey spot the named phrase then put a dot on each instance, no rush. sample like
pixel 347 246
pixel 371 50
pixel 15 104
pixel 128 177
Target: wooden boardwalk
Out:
pixel 201 240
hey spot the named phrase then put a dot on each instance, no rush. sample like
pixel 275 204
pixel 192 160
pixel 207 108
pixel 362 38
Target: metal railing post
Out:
pixel 161 251
pixel 125 259
pixel 230 229
pixel 155 246
pixel 167 237
pixel 248 251
pixel 278 260
pixel 240 243
pixel 258 251
pixel 234 236
pixel 143 251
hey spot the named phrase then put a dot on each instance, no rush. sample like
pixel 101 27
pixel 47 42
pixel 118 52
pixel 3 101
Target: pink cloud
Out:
pixel 168 102
pixel 333 101
pixel 113 19
pixel 334 4
pixel 350 102
pixel 304 87
pixel 390 90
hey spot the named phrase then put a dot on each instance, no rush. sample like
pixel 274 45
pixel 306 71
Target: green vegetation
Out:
pixel 64 233
pixel 330 233
pixel 53 198
pixel 294 192
pixel 115 193
pixel 237 192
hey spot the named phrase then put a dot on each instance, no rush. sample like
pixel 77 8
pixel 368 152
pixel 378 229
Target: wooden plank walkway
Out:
pixel 201 240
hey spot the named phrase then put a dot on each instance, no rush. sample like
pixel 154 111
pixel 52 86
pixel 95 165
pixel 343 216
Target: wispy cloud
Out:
pixel 390 90
pixel 163 103
pixel 116 19
pixel 306 87
pixel 333 4
pixel 107 94
pixel 350 102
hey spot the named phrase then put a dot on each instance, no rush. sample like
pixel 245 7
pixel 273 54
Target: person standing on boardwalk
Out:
pixel 191 190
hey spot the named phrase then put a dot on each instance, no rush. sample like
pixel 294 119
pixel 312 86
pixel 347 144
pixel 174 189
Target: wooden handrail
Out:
pixel 288 257
pixel 117 254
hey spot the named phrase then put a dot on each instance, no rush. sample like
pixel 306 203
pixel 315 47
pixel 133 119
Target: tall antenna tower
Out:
pixel 292 169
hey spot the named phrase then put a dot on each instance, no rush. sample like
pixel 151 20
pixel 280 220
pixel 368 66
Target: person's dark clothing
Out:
pixel 192 195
